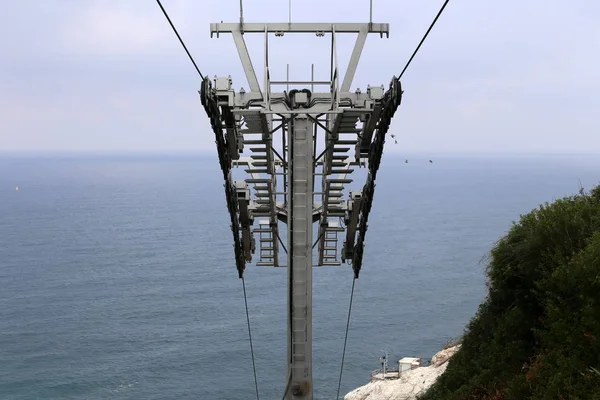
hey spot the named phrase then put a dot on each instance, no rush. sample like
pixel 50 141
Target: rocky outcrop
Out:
pixel 442 356
pixel 410 383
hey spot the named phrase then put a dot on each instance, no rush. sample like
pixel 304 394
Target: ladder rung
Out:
pixel 257 171
pixel 339 156
pixel 342 181
pixel 339 171
pixel 258 180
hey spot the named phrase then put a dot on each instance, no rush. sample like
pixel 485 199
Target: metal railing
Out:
pixel 394 373
pixel 390 373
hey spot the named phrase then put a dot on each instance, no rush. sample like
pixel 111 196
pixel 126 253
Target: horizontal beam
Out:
pixel 303 111
pixel 300 83
pixel 299 27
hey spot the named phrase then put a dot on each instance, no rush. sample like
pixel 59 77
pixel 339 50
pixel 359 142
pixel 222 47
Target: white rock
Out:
pixel 443 356
pixel 410 384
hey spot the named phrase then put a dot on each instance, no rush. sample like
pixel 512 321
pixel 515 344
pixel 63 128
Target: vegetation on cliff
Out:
pixel 537 334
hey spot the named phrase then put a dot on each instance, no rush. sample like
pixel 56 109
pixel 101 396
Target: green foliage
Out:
pixel 537 334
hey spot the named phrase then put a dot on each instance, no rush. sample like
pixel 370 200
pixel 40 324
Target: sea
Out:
pixel 117 275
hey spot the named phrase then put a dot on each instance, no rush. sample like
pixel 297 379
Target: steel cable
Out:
pixel 345 339
pixel 423 40
pixel 179 37
pixel 250 336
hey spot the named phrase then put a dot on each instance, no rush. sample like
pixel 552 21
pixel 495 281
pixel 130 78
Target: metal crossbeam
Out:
pixel 299 27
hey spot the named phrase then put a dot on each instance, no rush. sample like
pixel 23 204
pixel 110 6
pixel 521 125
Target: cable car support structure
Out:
pixel 297 186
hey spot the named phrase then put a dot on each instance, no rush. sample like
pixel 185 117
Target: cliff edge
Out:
pixel 409 384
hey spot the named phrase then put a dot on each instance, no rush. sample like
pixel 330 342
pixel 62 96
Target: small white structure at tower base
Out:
pixel 408 363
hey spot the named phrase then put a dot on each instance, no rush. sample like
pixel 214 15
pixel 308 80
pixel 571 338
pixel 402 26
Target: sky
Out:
pixel 508 76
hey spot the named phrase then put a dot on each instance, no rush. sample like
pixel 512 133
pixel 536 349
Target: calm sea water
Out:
pixel 117 278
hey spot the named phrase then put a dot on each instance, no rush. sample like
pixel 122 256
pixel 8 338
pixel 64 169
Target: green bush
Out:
pixel 537 334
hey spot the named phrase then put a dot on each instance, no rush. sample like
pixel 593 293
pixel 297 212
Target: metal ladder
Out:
pixel 330 254
pixel 267 257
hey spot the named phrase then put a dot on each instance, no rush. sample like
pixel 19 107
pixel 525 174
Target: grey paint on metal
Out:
pixel 311 82
pixel 240 43
pixel 352 98
pixel 267 96
pixel 300 212
pixel 335 72
pixel 354 59
pixel 299 27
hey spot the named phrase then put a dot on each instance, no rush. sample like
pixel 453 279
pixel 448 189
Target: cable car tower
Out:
pixel 288 182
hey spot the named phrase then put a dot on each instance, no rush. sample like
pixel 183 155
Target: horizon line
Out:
pixel 206 152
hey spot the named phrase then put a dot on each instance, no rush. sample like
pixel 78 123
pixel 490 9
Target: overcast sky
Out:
pixel 493 76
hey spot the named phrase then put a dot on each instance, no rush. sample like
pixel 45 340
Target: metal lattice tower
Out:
pixel 281 186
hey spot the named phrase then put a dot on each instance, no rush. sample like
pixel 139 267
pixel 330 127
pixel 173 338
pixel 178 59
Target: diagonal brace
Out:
pixel 354 58
pixel 240 43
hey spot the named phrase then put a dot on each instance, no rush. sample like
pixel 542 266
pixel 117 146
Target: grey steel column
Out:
pixel 300 210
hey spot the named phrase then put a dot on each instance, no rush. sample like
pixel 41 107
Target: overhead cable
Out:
pixel 424 37
pixel 250 336
pixel 345 339
pixel 180 40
